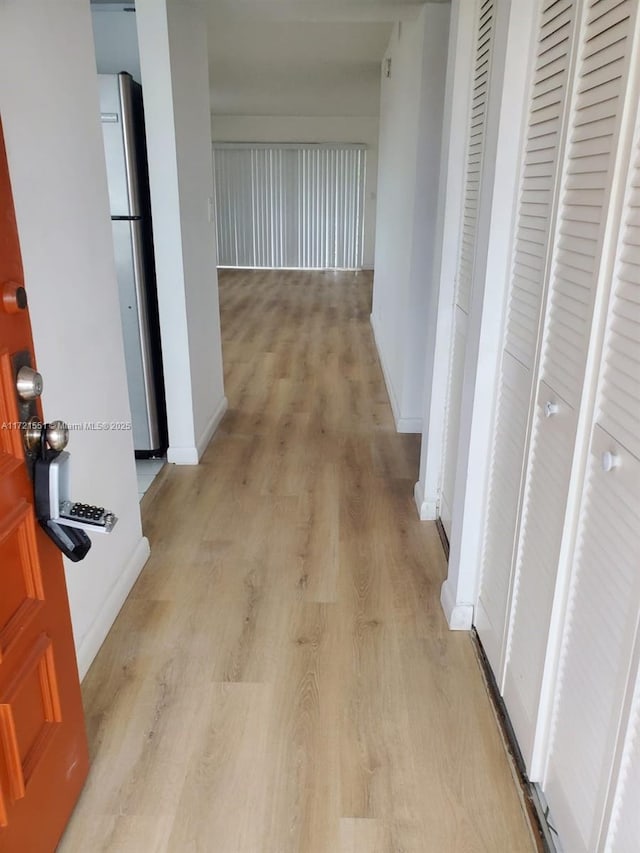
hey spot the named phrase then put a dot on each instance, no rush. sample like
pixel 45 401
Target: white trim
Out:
pixel 191 455
pixel 409 425
pixel 450 210
pixel 212 426
pixel 90 644
pixel 183 455
pixel 290 146
pixel 427 510
pixel 459 616
pixel 507 115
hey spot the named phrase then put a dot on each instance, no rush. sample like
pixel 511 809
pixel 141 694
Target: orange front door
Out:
pixel 43 747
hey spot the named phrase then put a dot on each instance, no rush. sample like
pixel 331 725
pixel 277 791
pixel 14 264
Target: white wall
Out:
pixel 411 109
pixel 116 39
pixel 174 63
pixel 50 113
pixel 296 128
pixel 449 212
pixel 282 58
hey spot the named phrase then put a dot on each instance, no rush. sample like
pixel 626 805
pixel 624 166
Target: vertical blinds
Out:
pixel 287 205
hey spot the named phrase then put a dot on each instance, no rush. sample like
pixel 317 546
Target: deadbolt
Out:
pixel 28 383
pixel 56 435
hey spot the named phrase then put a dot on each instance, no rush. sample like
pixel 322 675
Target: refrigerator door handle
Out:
pixel 145 331
pixel 125 84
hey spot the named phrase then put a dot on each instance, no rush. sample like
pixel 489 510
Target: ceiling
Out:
pixel 299 57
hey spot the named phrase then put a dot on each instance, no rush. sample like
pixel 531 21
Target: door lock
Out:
pixel 56 435
pixel 28 383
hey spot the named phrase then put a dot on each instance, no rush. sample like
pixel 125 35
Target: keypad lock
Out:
pixel 91 517
pixel 65 521
pixel 53 497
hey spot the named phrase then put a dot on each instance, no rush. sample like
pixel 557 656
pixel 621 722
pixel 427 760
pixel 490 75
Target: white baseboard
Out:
pixel 183 455
pixel 459 616
pixel 412 425
pixel 191 455
pixel 427 510
pixel 212 426
pixel 95 637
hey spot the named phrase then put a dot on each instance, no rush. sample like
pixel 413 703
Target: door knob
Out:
pixel 28 383
pixel 609 461
pixel 550 409
pixel 56 435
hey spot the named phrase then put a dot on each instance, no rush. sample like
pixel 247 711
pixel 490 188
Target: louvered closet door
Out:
pixel 526 290
pixel 623 830
pixel 598 645
pixel 593 132
pixel 468 238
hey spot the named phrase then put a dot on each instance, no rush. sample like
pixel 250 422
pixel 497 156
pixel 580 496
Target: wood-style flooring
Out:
pixel 281 679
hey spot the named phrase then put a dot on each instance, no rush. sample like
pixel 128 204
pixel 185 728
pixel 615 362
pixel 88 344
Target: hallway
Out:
pixel 281 679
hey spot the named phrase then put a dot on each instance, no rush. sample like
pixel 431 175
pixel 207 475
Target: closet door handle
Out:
pixel 609 461
pixel 550 409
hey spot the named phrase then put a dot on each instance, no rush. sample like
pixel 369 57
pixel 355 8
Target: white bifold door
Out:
pixel 527 286
pixel 476 132
pixel 558 608
pixel 592 142
pixel 579 84
pixel 592 773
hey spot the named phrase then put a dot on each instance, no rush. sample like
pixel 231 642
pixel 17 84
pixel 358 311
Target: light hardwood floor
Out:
pixel 281 679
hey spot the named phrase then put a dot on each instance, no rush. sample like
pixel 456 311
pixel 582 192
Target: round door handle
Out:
pixel 551 409
pixel 56 435
pixel 32 433
pixel 28 383
pixel 609 461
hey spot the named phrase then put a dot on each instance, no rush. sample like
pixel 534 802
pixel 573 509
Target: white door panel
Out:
pixel 507 465
pixel 597 646
pixel 543 520
pixel 593 766
pixel 592 144
pixel 476 131
pixel 623 830
pixel 521 344
pixel 456 376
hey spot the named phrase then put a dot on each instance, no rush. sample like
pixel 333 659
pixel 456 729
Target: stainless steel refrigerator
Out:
pixel 125 151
